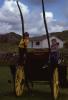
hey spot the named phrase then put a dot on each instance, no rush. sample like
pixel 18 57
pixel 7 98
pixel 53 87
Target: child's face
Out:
pixel 53 41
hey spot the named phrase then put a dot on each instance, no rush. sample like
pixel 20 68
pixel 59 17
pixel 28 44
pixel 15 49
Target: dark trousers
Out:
pixel 54 57
pixel 23 60
pixel 28 81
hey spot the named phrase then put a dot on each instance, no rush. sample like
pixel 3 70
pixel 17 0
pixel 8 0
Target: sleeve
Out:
pixel 21 44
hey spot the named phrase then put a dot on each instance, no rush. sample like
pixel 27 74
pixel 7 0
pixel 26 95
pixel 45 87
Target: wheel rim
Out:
pixel 19 81
pixel 56 83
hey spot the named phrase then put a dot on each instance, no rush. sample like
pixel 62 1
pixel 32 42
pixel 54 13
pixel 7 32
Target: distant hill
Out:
pixel 9 44
pixel 9 41
pixel 62 35
pixel 11 38
pixel 14 38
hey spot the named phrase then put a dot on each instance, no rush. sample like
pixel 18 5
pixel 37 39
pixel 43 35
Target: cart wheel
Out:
pixel 55 84
pixel 19 81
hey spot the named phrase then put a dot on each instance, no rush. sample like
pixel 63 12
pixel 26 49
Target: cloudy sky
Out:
pixel 56 14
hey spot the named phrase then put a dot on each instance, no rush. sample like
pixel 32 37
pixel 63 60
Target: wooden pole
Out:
pixel 21 15
pixel 45 24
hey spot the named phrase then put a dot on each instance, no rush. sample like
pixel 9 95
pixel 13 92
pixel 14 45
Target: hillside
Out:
pixel 14 38
pixel 9 44
pixel 62 35
pixel 9 41
pixel 11 38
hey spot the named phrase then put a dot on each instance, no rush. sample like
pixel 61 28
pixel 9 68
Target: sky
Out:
pixel 56 12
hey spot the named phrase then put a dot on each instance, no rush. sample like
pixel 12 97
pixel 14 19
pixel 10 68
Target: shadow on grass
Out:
pixel 42 95
pixel 7 94
pixel 63 96
pixel 37 95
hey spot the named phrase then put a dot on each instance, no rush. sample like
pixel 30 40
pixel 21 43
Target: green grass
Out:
pixel 41 90
pixel 7 47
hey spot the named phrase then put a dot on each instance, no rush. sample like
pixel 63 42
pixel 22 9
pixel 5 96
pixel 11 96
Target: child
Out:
pixel 23 48
pixel 54 51
pixel 23 60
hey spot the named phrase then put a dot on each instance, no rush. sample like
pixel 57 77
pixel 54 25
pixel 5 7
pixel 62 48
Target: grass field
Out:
pixel 41 90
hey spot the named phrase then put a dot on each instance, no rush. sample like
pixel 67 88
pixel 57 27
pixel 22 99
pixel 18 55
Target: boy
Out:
pixel 54 51
pixel 23 48
pixel 23 58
